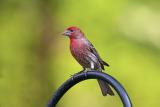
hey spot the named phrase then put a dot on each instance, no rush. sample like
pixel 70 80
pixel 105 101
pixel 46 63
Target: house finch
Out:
pixel 86 55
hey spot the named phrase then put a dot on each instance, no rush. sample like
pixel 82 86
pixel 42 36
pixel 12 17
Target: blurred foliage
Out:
pixel 35 58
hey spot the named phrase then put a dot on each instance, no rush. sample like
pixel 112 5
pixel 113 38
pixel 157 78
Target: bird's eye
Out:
pixel 71 30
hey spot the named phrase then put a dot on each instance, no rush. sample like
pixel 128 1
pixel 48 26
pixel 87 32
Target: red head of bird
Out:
pixel 73 32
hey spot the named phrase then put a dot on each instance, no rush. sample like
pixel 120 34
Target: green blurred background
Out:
pixel 35 58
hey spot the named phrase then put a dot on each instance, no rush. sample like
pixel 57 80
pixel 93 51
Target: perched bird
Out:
pixel 86 55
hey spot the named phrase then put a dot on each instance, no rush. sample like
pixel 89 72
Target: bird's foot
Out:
pixel 73 75
pixel 82 71
pixel 77 73
pixel 85 73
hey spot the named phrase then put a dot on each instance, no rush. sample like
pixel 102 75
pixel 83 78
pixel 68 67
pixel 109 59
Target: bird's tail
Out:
pixel 105 88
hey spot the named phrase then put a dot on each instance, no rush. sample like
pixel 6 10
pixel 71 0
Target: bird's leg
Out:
pixel 80 71
pixel 89 69
pixel 83 70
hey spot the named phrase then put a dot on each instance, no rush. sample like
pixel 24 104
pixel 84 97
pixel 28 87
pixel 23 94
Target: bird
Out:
pixel 86 55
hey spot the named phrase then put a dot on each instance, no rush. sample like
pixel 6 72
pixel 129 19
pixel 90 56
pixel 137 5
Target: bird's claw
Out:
pixel 83 71
pixel 72 76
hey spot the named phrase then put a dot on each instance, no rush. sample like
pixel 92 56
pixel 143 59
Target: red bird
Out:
pixel 86 55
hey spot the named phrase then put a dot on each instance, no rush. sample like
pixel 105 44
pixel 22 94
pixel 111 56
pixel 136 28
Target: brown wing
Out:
pixel 94 51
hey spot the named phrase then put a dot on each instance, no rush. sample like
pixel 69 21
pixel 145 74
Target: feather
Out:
pixel 94 51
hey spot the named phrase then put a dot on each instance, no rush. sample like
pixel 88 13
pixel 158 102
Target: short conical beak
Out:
pixel 66 33
pixel 63 33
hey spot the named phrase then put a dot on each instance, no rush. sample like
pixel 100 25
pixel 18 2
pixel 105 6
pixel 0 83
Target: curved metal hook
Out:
pixel 90 75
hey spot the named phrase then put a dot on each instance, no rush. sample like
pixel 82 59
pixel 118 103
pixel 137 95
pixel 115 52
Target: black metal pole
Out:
pixel 90 75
